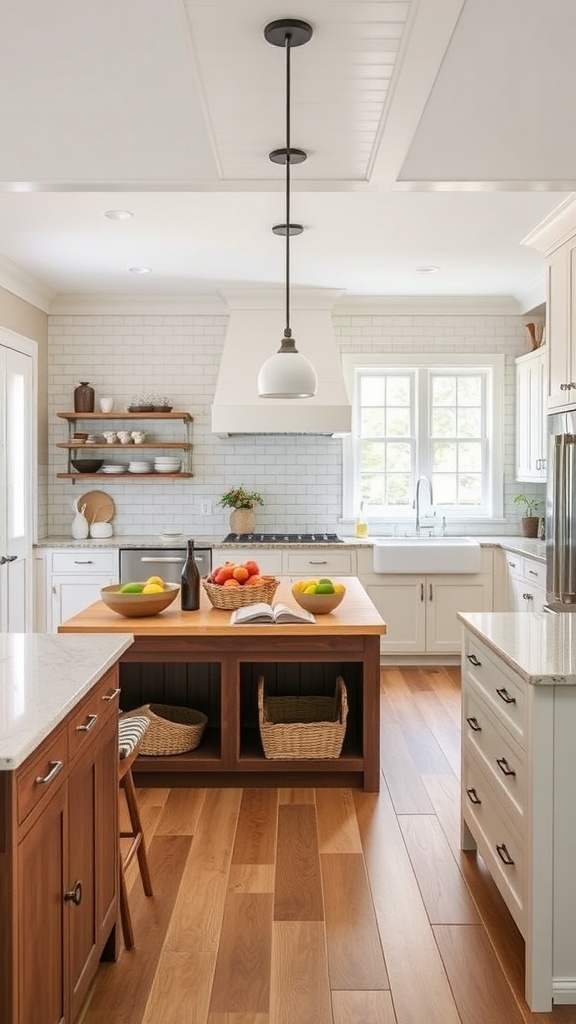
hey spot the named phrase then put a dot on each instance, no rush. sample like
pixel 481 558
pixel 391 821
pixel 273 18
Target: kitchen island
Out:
pixel 199 659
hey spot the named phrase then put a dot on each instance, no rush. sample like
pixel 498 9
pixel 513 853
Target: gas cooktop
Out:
pixel 282 538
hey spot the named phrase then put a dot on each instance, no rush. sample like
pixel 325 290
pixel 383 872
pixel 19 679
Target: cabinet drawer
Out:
pixel 85 561
pixel 504 694
pixel 534 573
pixel 502 758
pixel 38 780
pixel 92 713
pixel 268 561
pixel 318 563
pixel 497 839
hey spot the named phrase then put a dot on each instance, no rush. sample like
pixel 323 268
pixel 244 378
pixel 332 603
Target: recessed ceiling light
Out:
pixel 139 270
pixel 429 269
pixel 118 214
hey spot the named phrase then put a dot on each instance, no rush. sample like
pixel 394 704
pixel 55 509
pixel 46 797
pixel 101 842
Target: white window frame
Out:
pixel 494 363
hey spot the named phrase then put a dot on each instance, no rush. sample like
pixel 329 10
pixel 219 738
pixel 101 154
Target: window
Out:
pixel 434 419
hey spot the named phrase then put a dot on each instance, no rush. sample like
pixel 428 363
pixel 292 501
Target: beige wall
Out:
pixel 30 322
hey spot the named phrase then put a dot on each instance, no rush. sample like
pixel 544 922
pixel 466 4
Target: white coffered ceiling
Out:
pixel 438 132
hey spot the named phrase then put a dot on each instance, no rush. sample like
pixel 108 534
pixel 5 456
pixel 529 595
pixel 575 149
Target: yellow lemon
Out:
pixel 339 588
pixel 310 590
pixel 153 588
pixel 155 579
pixel 298 587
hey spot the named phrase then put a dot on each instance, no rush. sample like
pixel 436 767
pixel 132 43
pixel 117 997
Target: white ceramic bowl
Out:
pixel 100 530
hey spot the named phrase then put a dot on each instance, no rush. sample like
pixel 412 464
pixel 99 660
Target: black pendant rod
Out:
pixel 287 331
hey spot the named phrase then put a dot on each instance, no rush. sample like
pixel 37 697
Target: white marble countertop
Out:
pixel 42 677
pixel 539 646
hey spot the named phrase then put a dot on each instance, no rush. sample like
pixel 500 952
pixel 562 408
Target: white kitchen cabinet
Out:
pixel 531 412
pixel 74 577
pixel 296 562
pixel 526 583
pixel 269 560
pixel 561 326
pixel 518 766
pixel 421 611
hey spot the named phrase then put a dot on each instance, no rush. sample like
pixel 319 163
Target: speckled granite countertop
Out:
pixel 520 545
pixel 42 677
pixel 539 646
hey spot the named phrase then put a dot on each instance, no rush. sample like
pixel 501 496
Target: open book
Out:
pixel 262 612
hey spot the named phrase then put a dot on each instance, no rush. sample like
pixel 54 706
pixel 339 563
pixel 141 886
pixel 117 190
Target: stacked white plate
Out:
pixel 167 464
pixel 139 467
pixel 113 469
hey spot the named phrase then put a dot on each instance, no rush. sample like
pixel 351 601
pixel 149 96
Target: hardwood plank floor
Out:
pixel 328 906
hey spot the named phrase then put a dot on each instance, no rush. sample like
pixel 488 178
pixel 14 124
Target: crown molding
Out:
pixel 27 287
pixel 137 305
pixel 428 305
pixel 555 229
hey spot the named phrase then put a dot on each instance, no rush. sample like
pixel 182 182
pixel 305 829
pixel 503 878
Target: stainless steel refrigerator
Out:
pixel 561 512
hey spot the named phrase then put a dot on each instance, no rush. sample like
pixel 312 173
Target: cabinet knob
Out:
pixel 528 597
pixel 74 895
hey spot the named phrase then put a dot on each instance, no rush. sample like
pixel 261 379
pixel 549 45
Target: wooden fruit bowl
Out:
pixel 135 606
pixel 318 604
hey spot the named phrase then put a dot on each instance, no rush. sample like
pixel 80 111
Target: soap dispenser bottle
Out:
pixel 361 522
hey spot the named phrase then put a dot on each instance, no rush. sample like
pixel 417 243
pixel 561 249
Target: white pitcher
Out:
pixel 80 527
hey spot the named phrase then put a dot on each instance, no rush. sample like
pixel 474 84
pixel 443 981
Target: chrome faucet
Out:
pixel 421 480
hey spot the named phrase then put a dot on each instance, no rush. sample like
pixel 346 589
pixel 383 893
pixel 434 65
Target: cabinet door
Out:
pixel 445 597
pixel 71 595
pixel 401 603
pixel 559 326
pixel 92 788
pixel 530 416
pixel 42 917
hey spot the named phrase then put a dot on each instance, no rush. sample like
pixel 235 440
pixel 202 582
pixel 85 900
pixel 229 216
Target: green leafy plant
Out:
pixel 238 497
pixel 531 504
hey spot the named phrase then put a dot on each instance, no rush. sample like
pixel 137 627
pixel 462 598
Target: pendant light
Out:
pixel 287 374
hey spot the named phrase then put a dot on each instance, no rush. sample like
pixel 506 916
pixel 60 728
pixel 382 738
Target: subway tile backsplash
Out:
pixel 178 356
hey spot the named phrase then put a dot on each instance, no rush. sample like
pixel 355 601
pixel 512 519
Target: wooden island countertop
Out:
pixel 199 659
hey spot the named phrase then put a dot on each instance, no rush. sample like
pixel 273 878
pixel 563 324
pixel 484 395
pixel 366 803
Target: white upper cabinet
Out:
pixel 531 410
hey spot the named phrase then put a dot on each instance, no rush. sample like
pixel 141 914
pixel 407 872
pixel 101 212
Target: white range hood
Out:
pixel 254 333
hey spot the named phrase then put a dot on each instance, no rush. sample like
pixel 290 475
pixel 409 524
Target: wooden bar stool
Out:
pixel 130 733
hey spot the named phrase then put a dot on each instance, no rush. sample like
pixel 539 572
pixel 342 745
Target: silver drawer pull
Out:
pixel 89 724
pixel 503 854
pixel 473 796
pixel 85 561
pixel 473 659
pixel 505 696
pixel 55 767
pixel 317 561
pixel 113 695
pixel 473 723
pixel 532 572
pixel 166 559
pixel 504 766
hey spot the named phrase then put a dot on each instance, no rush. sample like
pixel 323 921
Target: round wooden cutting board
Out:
pixel 99 507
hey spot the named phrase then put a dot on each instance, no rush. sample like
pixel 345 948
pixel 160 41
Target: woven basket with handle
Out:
pixel 302 727
pixel 172 730
pixel 229 598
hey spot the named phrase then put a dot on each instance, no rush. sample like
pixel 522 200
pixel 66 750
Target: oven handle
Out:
pixel 167 558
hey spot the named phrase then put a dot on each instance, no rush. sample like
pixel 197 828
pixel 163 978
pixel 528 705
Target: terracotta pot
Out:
pixel 242 520
pixel 529 526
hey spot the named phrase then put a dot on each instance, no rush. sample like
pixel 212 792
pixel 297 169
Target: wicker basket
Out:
pixel 302 727
pixel 172 730
pixel 229 598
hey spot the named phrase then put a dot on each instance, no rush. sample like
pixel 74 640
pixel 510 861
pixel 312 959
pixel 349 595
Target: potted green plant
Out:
pixel 242 502
pixel 530 520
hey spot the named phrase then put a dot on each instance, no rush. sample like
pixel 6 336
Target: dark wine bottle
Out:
pixel 190 582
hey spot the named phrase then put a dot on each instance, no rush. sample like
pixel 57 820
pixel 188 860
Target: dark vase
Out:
pixel 190 582
pixel 83 397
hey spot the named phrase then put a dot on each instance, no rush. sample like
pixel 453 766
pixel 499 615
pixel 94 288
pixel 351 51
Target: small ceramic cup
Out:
pixel 124 436
pixel 110 436
pixel 138 436
pixel 106 403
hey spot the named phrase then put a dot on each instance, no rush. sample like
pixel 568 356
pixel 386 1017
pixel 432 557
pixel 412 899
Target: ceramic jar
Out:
pixel 83 397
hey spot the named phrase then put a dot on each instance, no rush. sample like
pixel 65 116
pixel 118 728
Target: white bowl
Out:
pixel 114 470
pixel 100 530
pixel 167 469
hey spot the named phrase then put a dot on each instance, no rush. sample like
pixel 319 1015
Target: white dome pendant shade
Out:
pixel 287 374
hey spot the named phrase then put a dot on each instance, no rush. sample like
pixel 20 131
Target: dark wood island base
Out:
pixel 198 659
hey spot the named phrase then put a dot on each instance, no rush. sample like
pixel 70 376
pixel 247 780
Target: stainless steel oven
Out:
pixel 138 564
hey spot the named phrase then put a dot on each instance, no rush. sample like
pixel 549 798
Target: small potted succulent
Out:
pixel 242 502
pixel 530 520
